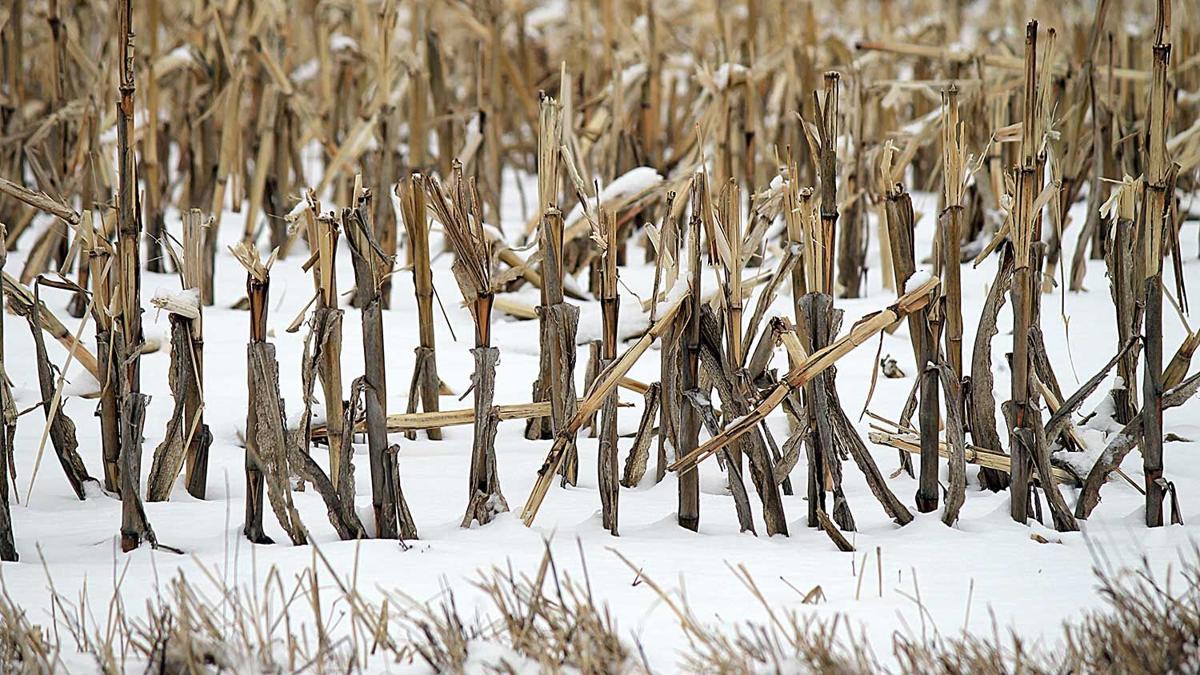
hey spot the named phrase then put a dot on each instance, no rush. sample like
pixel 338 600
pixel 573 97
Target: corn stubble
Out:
pixel 777 151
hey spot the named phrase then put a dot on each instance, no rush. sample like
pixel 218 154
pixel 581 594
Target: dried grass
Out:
pixel 552 622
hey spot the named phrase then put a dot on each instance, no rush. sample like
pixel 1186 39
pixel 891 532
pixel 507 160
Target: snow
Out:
pixel 306 71
pixel 632 182
pixel 493 232
pixel 986 564
pixel 179 56
pixel 186 299
pixel 632 73
pixel 109 136
pixel 572 286
pixel 546 13
pixel 340 42
pixel 726 72
pixel 919 277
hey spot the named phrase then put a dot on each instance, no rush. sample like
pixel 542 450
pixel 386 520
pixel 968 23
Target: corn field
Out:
pixel 599 335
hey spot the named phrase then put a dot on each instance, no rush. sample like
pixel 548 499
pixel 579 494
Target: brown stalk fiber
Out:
pixel 929 415
pixel 258 291
pixel 371 266
pixel 689 378
pixel 982 411
pixel 266 444
pixel 549 139
pixel 1095 229
pixel 848 439
pixel 956 492
pixel 339 501
pixel 461 217
pixel 185 433
pixel 558 321
pixel 327 325
pixel 187 438
pixel 852 244
pixel 737 487
pixel 198 236
pixel 1025 231
pixel 40 201
pixel 953 167
pixel 610 305
pixel 100 263
pixel 1158 185
pixel 670 400
pixel 900 226
pixel 8 431
pixel 828 133
pixel 135 527
pixel 1121 272
pixel 818 325
pixel 61 427
pixel 154 174
pixel 425 382
pixel 639 455
pixel 127 338
pixel 485 499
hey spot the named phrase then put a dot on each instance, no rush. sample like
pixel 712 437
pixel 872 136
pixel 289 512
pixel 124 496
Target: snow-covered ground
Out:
pixel 984 572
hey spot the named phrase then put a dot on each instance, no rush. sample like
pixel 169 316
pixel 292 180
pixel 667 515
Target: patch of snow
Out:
pixel 726 72
pixel 188 298
pixel 305 71
pixel 340 42
pixel 630 183
pixel 919 277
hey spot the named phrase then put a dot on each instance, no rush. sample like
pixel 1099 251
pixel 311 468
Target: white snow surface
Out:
pixel 984 567
pixel 627 184
pixel 726 71
pixel 919 277
pixel 188 298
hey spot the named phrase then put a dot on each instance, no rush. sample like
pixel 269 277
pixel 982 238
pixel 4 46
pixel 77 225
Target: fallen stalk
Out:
pixel 986 458
pixel 805 371
pixel 402 422
pixel 605 382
